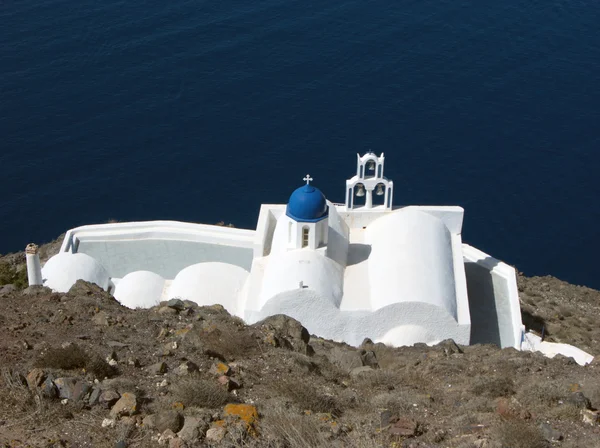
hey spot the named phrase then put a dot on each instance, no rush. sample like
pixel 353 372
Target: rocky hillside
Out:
pixel 79 370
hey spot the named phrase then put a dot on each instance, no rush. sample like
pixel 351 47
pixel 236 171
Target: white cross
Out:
pixel 308 179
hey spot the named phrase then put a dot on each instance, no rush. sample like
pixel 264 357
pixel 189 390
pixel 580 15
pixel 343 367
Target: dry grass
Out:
pixel 544 394
pixel 194 391
pixel 493 387
pixel 518 434
pixel 74 357
pixel 307 397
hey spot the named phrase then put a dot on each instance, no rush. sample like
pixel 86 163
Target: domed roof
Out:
pixel 64 269
pixel 307 204
pixel 210 283
pixel 140 289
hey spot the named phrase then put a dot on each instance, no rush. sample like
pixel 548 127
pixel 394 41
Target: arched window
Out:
pixel 305 232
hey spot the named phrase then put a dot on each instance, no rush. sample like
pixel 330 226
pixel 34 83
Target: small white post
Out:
pixel 34 267
pixel 369 201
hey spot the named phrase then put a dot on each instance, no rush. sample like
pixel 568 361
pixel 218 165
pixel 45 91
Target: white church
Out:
pixel 363 269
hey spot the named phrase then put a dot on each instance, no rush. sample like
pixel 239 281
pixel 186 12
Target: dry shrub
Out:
pixel 518 434
pixel 74 357
pixel 378 378
pixel 194 391
pixel 308 397
pixel 567 412
pixel 228 344
pixel 493 387
pixel 283 428
pixel 547 393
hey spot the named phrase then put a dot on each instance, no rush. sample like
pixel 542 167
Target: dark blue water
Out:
pixel 201 110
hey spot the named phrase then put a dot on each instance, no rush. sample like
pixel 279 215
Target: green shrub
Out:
pixel 9 274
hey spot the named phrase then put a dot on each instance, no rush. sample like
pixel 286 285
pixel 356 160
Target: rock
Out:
pixel 166 437
pixel 245 413
pixel 157 369
pixel 94 396
pixel 101 319
pixel 215 435
pixel 404 427
pixel 134 362
pixel 165 310
pixel 449 347
pixel 369 358
pixel 36 290
pixel 35 378
pixel 177 443
pixel 579 400
pixel 49 389
pixel 283 331
pixel 234 384
pixel 385 419
pixel 172 420
pixel 116 344
pixel 108 423
pixel 6 289
pixel 127 405
pixel 193 429
pixel 108 398
pixel 347 358
pixel 176 304
pixel 549 433
pixel 186 368
pixel 220 368
pixel 590 417
pixel 360 370
pixel 121 444
pixel 71 388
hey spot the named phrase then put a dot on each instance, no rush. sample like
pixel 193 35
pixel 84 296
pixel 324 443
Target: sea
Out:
pixel 200 111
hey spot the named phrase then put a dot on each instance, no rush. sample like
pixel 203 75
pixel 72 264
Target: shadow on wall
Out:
pixel 357 253
pixel 482 305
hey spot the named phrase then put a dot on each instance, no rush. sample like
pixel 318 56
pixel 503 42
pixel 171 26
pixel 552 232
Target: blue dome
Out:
pixel 307 204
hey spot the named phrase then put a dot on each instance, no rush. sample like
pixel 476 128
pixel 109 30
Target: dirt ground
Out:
pixel 79 370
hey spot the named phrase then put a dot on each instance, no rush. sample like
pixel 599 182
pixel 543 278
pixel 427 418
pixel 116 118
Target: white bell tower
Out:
pixel 367 181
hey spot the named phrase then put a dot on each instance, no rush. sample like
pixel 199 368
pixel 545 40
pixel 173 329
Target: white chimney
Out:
pixel 34 267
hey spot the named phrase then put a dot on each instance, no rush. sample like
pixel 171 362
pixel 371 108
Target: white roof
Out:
pixel 209 284
pixel 64 269
pixel 140 289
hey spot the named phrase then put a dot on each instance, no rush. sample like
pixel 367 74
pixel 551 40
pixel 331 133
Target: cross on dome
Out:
pixel 308 179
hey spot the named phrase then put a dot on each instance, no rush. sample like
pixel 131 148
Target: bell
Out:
pixel 379 191
pixel 371 165
pixel 361 191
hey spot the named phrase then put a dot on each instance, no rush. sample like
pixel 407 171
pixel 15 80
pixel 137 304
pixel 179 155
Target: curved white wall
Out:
pixel 140 289
pixel 64 269
pixel 284 272
pixel 209 284
pixel 411 260
pixel 338 240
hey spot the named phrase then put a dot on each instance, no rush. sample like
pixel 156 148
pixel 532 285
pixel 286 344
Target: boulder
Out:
pixel 71 388
pixel 157 369
pixel 127 405
pixel 187 368
pixel 193 429
pixel 35 378
pixel 579 400
pixel 286 332
pixel 108 398
pixel 176 304
pixel 215 435
pixel 172 420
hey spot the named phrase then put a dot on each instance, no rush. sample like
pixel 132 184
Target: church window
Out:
pixel 305 236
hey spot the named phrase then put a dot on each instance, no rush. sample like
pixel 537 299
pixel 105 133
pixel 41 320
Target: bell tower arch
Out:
pixel 367 181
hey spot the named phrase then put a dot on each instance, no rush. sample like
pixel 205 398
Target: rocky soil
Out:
pixel 79 370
